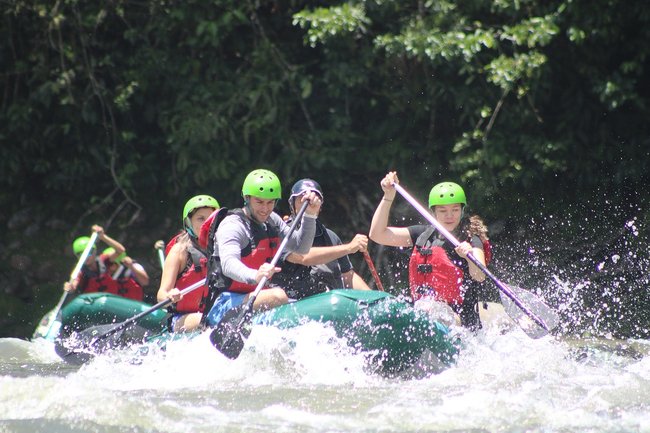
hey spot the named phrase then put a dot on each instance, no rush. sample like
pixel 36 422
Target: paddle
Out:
pixel 534 316
pixel 82 352
pixel 231 332
pixel 50 318
pixel 373 270
pixel 160 246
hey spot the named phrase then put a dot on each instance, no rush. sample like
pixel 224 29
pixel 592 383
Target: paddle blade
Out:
pixel 536 306
pixel 81 347
pixel 231 332
pixel 71 355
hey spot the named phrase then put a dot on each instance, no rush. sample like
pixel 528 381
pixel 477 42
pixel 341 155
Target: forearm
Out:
pixel 320 255
pixel 474 271
pixel 117 246
pixel 139 274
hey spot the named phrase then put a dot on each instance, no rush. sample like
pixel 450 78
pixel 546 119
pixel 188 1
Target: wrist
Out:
pixel 388 199
pixel 308 215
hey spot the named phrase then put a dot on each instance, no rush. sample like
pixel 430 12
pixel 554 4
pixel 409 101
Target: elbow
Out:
pixel 375 236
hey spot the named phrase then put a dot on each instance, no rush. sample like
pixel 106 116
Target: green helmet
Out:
pixel 446 193
pixel 262 184
pixel 110 250
pixel 198 202
pixel 79 244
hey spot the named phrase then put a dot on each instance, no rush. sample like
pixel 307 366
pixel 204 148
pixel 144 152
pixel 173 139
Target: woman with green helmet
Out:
pixel 438 271
pixel 186 264
pixel 246 241
pixel 94 276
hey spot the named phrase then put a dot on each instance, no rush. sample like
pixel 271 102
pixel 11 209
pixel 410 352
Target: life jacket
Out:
pixel 128 287
pixel 196 269
pixel 171 243
pixel 262 246
pixel 97 281
pixel 435 269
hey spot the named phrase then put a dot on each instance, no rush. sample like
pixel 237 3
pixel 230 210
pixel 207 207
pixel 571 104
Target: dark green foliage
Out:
pixel 109 109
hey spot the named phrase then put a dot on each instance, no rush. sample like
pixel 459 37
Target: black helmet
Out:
pixel 301 187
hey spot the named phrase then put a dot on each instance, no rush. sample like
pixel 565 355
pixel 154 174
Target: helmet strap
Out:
pixel 188 227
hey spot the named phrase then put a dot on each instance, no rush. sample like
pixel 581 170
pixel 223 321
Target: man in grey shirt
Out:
pixel 246 241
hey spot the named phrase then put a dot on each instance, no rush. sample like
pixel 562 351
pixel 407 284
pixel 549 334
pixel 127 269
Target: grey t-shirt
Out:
pixel 233 236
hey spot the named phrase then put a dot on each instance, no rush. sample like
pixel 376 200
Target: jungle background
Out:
pixel 116 112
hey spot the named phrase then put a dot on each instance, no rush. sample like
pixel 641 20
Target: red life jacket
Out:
pixel 130 288
pixel 171 243
pixel 195 270
pixel 433 273
pixel 97 281
pixel 127 285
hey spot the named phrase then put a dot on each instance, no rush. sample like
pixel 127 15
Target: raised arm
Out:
pixel 380 232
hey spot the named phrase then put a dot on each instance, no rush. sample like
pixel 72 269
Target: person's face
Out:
pixel 198 218
pixel 260 208
pixel 91 257
pixel 297 203
pixel 448 215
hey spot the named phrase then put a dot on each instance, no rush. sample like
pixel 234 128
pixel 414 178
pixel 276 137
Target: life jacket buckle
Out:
pixel 425 290
pixel 425 268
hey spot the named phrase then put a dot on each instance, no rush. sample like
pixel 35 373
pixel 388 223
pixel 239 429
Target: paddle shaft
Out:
pixel 373 270
pixel 118 272
pixel 156 307
pixel 161 257
pixel 73 276
pixel 450 237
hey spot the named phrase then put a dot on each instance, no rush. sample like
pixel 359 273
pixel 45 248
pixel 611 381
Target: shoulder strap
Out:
pixel 424 237
pixel 196 253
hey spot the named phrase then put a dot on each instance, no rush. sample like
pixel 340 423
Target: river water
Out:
pixel 307 380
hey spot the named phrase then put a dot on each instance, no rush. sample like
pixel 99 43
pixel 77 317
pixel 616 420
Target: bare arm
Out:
pixel 139 273
pixel 323 255
pixel 118 247
pixel 465 247
pixel 380 232
pixel 173 265
pixel 357 282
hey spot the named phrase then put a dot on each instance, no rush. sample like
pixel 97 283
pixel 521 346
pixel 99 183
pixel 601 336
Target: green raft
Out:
pixel 394 336
pixel 99 308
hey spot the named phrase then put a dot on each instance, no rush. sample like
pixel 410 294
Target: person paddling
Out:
pixel 438 272
pixel 186 264
pixel 131 277
pixel 94 276
pixel 327 265
pixel 246 241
